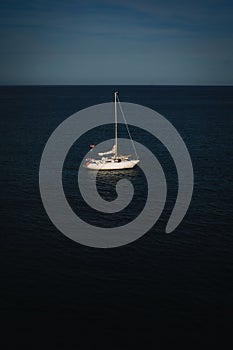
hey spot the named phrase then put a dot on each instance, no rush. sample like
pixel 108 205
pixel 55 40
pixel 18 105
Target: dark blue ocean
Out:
pixel 163 287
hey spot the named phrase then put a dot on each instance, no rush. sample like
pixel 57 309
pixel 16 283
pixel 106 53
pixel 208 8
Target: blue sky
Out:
pixel 116 42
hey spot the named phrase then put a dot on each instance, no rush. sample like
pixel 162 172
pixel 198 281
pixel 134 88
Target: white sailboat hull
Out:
pixel 125 164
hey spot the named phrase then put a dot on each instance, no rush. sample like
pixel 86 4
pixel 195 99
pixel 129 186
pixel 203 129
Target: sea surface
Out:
pixel 162 286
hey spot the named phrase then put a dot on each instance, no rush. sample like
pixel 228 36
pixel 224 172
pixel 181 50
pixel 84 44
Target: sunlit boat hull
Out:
pixel 126 164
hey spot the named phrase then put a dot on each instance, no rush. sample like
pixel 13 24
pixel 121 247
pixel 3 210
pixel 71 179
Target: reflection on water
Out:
pixel 112 176
pixel 106 181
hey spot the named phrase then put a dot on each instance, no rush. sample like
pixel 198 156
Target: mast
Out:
pixel 115 93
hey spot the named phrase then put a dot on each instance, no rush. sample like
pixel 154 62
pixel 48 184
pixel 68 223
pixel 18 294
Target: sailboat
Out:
pixel 115 161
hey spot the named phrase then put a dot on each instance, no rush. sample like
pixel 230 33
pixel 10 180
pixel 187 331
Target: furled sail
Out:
pixel 113 150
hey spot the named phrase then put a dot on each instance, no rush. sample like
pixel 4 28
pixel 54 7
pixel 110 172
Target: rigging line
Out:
pixel 127 126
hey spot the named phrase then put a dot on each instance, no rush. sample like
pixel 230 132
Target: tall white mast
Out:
pixel 115 93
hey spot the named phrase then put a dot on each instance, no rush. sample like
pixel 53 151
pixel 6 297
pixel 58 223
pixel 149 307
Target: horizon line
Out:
pixel 120 84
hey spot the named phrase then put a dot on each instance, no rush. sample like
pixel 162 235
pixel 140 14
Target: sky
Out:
pixel 116 42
